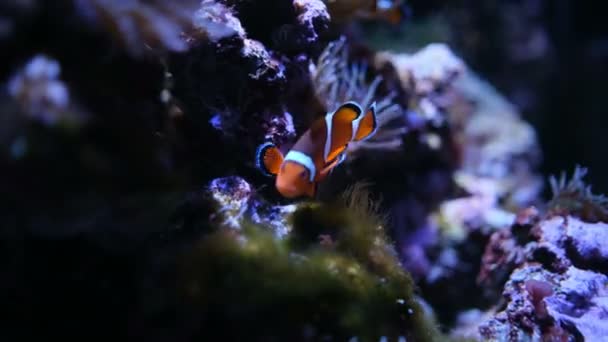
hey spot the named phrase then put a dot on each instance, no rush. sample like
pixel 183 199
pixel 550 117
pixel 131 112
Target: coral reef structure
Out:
pixel 553 266
pixel 133 208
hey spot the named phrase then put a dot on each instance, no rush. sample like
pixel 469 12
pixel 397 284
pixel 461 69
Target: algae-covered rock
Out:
pixel 335 276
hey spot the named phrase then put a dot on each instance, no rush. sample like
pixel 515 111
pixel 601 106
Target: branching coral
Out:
pixel 336 81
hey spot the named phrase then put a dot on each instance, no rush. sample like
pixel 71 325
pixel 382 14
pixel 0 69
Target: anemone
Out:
pixel 574 197
pixel 336 81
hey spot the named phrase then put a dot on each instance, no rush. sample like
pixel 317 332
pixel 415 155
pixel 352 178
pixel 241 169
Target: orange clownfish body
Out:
pixel 317 151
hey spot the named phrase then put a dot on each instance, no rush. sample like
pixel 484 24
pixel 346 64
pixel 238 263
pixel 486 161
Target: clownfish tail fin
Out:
pixel 368 125
pixel 268 159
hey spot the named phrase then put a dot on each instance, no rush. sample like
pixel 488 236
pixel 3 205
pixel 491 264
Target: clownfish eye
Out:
pixel 303 174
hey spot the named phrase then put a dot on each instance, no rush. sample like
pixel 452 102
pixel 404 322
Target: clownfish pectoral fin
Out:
pixel 268 158
pixel 367 125
pixel 326 171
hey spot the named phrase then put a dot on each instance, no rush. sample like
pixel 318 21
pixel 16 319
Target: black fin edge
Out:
pixel 259 158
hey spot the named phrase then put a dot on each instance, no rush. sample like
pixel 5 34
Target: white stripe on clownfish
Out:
pixel 357 122
pixel 304 160
pixel 328 125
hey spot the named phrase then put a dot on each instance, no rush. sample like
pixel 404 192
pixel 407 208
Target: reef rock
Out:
pixel 556 285
pixel 454 112
pixel 237 202
pixel 551 306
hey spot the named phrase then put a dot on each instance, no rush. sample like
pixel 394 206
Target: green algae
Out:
pixel 349 284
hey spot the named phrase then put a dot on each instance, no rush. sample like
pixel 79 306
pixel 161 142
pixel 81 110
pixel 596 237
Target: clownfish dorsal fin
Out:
pixel 365 126
pixel 340 129
pixel 268 158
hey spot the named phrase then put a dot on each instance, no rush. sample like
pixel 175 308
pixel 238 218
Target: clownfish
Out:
pixel 392 11
pixel 318 151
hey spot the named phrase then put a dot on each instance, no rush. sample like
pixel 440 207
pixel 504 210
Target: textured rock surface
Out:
pixel 491 177
pixel 237 203
pixel 556 286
